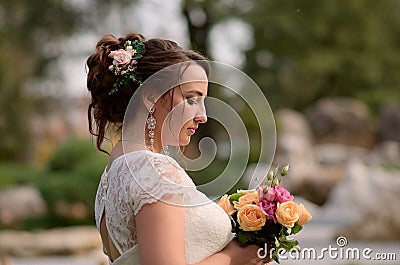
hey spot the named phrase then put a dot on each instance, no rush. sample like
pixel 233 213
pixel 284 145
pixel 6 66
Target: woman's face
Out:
pixel 188 109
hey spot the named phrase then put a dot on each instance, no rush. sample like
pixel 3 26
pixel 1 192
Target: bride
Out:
pixel 147 209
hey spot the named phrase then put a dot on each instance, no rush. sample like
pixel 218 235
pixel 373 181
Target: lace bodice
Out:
pixel 143 177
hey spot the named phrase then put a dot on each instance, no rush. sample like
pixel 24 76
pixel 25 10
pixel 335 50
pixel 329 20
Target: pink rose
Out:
pixel 268 208
pixel 269 196
pixel 260 191
pixel 121 57
pixel 282 194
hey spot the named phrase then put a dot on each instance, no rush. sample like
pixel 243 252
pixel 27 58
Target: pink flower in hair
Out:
pixel 121 57
pixel 124 64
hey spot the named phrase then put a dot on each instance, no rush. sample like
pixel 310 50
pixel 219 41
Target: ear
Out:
pixel 148 101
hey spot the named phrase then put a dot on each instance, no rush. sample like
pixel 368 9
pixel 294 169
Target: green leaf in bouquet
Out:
pixel 292 245
pixel 235 196
pixel 296 228
pixel 282 237
pixel 288 243
pixel 275 256
pixel 245 237
pixel 288 231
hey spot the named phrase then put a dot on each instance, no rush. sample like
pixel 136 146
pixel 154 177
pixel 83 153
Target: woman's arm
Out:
pixel 234 254
pixel 160 234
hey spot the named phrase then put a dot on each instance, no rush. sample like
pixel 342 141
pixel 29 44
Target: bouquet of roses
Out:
pixel 266 216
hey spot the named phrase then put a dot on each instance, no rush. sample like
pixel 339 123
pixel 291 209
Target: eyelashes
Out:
pixel 192 101
pixel 195 100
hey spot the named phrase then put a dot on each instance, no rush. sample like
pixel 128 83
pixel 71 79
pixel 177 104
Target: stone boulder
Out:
pixel 57 241
pixel 365 203
pixel 334 154
pixel 386 153
pixel 20 203
pixel 295 147
pixel 389 124
pixel 341 120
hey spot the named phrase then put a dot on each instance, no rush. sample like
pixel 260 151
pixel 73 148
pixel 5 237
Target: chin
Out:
pixel 185 142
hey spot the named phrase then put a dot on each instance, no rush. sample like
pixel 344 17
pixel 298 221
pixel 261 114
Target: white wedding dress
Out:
pixel 143 177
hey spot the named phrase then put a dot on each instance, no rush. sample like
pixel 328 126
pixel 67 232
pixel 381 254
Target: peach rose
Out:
pixel 121 57
pixel 305 215
pixel 249 198
pixel 251 218
pixel 288 213
pixel 226 205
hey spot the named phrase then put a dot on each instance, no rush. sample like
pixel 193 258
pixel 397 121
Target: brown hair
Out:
pixel 107 109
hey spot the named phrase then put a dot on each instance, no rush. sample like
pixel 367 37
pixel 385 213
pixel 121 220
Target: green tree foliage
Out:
pixel 31 33
pixel 307 49
pixel 71 176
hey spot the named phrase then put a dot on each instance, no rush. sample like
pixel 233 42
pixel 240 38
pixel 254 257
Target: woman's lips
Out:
pixel 191 131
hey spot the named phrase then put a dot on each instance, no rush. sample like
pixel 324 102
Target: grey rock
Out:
pixel 386 153
pixel 20 203
pixel 57 241
pixel 389 124
pixel 341 120
pixel 294 145
pixel 366 203
pixel 338 154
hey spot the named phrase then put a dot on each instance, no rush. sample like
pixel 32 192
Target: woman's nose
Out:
pixel 201 115
pixel 201 118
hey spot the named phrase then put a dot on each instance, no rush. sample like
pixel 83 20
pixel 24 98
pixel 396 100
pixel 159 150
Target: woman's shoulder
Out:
pixel 143 158
pixel 135 159
pixel 144 164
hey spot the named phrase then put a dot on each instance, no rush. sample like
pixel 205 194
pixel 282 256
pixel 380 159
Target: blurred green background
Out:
pixel 297 51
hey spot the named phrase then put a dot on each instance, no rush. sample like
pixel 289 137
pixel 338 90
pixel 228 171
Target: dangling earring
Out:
pixel 165 150
pixel 151 125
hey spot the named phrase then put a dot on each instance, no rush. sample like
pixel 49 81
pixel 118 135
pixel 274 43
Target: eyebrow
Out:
pixel 196 92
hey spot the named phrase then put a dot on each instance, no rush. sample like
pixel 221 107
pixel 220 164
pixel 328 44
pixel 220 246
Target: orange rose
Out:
pixel 226 205
pixel 248 198
pixel 288 213
pixel 305 215
pixel 251 218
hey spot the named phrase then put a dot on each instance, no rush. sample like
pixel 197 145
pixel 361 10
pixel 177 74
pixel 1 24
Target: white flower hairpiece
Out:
pixel 124 64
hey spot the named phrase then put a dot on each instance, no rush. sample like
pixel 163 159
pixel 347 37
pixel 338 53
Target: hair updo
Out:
pixel 107 109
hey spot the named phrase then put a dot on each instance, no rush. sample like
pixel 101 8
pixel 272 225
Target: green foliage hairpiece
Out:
pixel 124 64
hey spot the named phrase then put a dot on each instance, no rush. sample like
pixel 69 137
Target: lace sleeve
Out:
pixel 156 177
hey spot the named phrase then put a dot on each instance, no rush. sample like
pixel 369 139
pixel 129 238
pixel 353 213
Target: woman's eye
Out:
pixel 191 101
